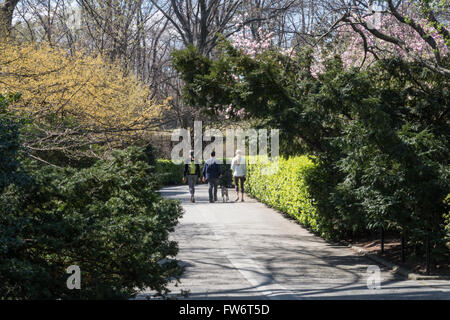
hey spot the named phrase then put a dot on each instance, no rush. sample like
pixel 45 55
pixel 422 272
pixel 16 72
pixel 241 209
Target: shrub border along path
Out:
pixel 288 192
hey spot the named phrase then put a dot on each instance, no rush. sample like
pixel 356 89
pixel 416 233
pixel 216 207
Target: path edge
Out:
pixel 395 268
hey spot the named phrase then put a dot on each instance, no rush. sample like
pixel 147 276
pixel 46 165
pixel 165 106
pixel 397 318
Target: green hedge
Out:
pixel 169 173
pixel 286 190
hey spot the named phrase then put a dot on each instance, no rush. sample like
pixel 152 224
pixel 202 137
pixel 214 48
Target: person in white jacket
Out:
pixel 239 167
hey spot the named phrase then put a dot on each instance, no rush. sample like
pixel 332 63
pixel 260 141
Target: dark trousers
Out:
pixel 236 183
pixel 212 182
pixel 191 179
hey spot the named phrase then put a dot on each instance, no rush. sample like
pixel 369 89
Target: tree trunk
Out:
pixel 6 15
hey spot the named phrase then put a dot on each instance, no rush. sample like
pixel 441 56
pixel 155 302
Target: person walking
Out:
pixel 239 167
pixel 211 173
pixel 191 174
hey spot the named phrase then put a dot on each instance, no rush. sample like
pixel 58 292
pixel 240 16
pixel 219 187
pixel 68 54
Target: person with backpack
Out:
pixel 212 171
pixel 191 174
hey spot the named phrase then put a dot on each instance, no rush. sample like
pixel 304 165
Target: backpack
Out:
pixel 212 168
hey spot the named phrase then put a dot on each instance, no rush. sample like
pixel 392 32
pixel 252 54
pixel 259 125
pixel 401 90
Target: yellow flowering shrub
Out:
pixel 93 92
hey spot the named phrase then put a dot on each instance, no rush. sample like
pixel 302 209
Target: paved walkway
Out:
pixel 248 251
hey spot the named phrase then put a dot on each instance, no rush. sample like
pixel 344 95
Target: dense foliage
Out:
pixel 108 219
pixel 380 136
pixel 9 143
pixel 169 173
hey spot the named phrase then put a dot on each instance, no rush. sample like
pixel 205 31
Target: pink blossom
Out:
pixel 243 40
pixel 350 44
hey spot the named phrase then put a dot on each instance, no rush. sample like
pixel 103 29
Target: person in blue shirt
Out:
pixel 212 171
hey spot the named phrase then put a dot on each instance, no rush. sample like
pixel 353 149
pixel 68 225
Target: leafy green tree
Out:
pixel 380 135
pixel 108 219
